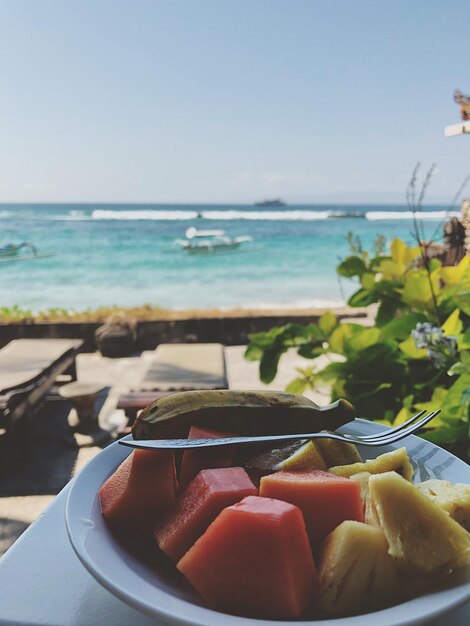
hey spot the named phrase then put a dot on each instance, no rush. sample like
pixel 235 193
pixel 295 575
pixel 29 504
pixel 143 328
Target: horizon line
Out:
pixel 202 204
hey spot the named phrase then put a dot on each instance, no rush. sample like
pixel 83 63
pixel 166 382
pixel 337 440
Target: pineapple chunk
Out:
pixel 307 456
pixel 338 452
pixel 356 573
pixel 454 498
pixel 418 532
pixel 370 514
pixel 294 456
pixel 396 461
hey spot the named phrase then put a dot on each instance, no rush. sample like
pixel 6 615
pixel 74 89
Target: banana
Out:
pixel 241 412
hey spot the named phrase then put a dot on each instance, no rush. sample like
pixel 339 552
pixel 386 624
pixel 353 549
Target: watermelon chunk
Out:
pixel 325 500
pixel 254 560
pixel 140 492
pixel 210 492
pixel 194 460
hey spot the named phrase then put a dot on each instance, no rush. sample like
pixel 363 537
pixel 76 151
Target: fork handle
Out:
pixel 181 444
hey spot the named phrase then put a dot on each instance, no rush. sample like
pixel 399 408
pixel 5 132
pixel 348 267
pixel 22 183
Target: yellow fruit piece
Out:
pixel 370 514
pixel 338 452
pixel 454 498
pixel 356 573
pixel 419 533
pixel 294 456
pixel 307 456
pixel 396 461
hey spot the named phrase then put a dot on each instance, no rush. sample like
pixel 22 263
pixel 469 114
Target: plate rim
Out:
pixel 208 617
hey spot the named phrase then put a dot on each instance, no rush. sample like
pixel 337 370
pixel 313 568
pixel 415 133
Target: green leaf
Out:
pixel 386 312
pixel 408 347
pixel 459 368
pixel 268 364
pixel 253 353
pixel 435 402
pixel 457 401
pixel 351 266
pixel 314 332
pixel 340 334
pixel 331 372
pixel 298 385
pixel 376 262
pixel 462 299
pixel 453 324
pixel 368 280
pixel 327 322
pixel 417 291
pixel 465 357
pixel 268 338
pixel 311 351
pixel 361 298
pixel 450 434
pixel 401 327
pixel 362 340
pixel 465 343
pixel 435 264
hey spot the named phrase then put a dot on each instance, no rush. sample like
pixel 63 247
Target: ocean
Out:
pixel 125 255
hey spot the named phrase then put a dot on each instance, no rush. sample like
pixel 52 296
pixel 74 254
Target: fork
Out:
pixel 390 435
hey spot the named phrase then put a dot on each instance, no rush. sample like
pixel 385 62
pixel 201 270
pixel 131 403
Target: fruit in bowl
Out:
pixel 306 543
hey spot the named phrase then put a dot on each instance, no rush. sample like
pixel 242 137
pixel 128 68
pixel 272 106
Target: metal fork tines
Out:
pixel 390 435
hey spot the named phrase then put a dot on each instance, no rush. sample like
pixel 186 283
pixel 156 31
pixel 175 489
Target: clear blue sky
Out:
pixel 230 101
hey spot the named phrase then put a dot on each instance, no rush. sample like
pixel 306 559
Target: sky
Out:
pixel 230 101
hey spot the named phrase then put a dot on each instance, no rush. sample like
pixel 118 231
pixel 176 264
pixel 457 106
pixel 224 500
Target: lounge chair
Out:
pixel 183 366
pixel 28 369
pixel 177 367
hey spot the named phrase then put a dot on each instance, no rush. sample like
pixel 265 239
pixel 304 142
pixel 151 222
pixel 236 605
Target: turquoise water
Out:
pixel 125 255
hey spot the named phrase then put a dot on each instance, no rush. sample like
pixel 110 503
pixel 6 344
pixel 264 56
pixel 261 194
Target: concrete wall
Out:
pixel 227 330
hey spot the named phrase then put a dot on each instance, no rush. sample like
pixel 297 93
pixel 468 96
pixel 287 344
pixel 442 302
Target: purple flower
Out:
pixel 442 350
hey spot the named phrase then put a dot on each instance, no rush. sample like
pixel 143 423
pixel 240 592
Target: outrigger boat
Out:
pixel 11 252
pixel 210 241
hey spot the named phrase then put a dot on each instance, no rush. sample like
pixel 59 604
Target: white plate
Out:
pixel 164 595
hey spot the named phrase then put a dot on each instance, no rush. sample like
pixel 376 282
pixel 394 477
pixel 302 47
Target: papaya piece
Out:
pixel 210 492
pixel 325 500
pixel 261 564
pixel 140 492
pixel 194 460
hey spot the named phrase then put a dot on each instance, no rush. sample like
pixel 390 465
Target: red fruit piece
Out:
pixel 194 460
pixel 254 560
pixel 210 492
pixel 140 492
pixel 325 500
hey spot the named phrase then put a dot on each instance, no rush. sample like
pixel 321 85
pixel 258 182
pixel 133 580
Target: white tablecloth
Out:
pixel 42 583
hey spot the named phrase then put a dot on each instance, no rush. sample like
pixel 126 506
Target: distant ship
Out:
pixel 271 202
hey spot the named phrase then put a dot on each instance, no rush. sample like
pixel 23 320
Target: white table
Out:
pixel 42 583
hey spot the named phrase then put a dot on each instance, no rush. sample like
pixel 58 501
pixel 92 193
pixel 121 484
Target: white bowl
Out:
pixel 165 595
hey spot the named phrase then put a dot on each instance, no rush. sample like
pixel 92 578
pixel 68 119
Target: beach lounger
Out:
pixel 134 401
pixel 28 369
pixel 176 367
pixel 185 366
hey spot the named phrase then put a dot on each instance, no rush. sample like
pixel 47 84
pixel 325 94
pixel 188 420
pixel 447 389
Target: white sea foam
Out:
pixel 226 214
pixel 408 215
pixel 143 214
pixel 294 215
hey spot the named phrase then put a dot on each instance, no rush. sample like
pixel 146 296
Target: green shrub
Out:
pixel 415 356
